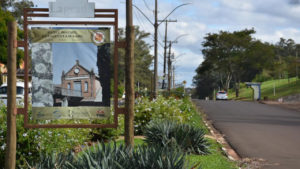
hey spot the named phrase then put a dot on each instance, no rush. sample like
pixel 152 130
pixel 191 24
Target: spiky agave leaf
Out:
pixel 172 134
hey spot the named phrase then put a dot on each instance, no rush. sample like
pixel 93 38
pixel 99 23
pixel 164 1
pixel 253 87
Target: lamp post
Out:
pixel 156 25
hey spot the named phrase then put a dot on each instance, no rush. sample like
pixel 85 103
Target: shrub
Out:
pixel 30 142
pixel 172 134
pixel 161 108
pixel 107 156
pixel 107 134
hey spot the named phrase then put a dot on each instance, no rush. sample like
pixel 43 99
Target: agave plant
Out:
pixel 106 156
pixel 54 161
pixel 157 157
pixel 103 156
pixel 172 134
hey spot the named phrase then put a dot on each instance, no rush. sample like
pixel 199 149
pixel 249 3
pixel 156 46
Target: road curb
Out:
pixel 229 151
pixel 226 148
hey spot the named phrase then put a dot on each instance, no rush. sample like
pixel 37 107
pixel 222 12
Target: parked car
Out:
pixel 20 93
pixel 221 95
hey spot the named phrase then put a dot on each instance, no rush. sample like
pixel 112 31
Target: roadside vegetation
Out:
pixel 233 58
pixel 282 87
pixel 172 134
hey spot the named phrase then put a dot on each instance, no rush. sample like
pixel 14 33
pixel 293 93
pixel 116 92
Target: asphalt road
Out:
pixel 257 130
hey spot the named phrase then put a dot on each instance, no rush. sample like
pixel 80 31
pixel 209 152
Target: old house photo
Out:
pixel 79 86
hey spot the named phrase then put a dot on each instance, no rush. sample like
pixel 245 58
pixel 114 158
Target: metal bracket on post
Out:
pixel 122 44
pixel 21 44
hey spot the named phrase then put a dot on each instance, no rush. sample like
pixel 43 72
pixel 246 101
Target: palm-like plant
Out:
pixel 172 134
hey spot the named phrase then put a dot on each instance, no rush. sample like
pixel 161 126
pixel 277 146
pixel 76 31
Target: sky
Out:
pixel 271 19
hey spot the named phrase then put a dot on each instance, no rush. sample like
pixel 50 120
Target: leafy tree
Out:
pixel 6 16
pixel 285 58
pixel 206 80
pixel 232 57
pixel 16 8
pixel 142 58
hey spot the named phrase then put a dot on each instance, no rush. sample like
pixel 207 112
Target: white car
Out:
pixel 221 95
pixel 20 93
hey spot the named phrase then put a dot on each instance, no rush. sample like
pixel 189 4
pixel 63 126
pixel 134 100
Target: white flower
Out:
pixel 25 134
pixel 3 146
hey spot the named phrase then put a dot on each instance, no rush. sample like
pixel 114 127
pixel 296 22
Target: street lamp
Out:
pixel 156 24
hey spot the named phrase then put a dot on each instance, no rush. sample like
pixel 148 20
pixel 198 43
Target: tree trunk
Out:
pixel 237 89
pixel 228 80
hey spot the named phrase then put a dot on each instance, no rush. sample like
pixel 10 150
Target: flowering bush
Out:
pixel 30 142
pixel 180 110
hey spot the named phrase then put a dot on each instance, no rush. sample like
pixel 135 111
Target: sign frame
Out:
pixel 99 13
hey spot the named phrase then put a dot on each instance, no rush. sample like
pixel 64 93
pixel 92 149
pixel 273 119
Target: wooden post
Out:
pixel 129 77
pixel 11 137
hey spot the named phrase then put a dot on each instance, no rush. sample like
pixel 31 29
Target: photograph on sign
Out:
pixel 70 70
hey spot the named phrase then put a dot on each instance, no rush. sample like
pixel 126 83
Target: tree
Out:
pixel 142 56
pixel 206 80
pixel 233 57
pixel 16 8
pixel 5 16
pixel 285 58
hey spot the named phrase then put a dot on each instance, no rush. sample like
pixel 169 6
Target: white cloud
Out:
pixel 271 19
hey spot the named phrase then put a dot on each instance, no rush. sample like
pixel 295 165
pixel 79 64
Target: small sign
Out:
pixel 97 37
pixel 72 9
pixel 71 113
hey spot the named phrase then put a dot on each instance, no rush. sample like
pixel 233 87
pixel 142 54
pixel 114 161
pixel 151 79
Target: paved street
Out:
pixel 258 131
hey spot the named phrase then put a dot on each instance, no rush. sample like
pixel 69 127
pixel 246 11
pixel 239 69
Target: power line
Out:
pixel 147 6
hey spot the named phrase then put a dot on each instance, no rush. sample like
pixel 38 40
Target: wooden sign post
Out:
pixel 11 136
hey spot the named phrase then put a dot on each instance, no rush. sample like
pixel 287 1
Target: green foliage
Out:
pixel 231 58
pixel 283 87
pixel 106 156
pixel 4 18
pixel 180 110
pixel 107 134
pixel 16 7
pixel 142 58
pixel 176 135
pixel 263 76
pixel 30 142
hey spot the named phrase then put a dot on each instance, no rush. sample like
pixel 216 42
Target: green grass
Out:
pixel 283 87
pixel 137 142
pixel 215 160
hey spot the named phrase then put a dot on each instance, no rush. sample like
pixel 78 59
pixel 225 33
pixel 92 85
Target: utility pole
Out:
pixel 11 137
pixel 156 24
pixel 173 75
pixel 129 77
pixel 170 65
pixel 155 52
pixel 165 49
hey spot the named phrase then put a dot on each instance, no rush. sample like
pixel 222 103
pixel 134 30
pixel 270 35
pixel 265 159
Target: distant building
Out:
pixel 20 73
pixel 82 81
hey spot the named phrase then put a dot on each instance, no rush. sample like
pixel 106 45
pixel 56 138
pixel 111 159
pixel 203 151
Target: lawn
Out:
pixel 215 160
pixel 283 87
